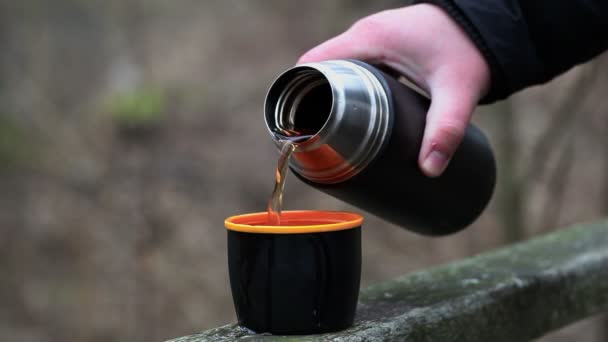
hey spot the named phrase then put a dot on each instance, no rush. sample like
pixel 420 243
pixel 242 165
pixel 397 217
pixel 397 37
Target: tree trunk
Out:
pixel 510 187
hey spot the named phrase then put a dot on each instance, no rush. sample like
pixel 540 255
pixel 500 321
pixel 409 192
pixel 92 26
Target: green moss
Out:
pixel 139 108
pixel 16 148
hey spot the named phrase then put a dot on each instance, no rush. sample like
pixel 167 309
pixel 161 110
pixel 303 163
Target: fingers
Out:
pixel 364 41
pixel 446 123
pixel 339 47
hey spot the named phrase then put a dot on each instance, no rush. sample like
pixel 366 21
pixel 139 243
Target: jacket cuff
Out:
pixel 498 89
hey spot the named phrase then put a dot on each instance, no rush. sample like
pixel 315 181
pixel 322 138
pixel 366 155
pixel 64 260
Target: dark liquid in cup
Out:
pixel 289 140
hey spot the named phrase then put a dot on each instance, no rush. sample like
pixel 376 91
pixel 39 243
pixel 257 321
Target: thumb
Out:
pixel 446 123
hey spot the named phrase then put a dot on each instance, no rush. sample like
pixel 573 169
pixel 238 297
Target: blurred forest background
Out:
pixel 130 129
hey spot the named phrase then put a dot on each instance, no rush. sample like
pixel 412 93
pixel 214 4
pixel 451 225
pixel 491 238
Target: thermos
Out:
pixel 365 131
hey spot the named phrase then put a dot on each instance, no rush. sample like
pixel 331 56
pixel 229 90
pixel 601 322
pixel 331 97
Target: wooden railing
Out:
pixel 511 294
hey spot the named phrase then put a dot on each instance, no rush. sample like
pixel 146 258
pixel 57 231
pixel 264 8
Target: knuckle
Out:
pixel 369 27
pixel 450 133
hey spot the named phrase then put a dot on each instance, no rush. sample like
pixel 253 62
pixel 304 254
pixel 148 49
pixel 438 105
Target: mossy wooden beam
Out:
pixel 511 294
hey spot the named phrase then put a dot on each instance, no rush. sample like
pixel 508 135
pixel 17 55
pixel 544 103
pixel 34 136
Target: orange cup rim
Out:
pixel 331 221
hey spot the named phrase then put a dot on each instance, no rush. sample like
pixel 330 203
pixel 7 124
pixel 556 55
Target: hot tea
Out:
pixel 289 140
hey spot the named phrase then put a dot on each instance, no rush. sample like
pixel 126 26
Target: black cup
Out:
pixel 301 277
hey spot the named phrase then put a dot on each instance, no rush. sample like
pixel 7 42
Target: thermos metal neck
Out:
pixel 342 106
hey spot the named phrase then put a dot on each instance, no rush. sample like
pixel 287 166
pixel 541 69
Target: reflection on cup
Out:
pixel 301 277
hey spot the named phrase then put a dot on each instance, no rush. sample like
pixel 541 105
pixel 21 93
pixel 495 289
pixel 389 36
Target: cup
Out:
pixel 300 277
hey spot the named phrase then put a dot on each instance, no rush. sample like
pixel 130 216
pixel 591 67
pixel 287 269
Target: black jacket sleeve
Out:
pixel 529 42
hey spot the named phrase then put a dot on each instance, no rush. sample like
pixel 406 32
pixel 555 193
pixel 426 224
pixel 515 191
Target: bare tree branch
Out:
pixel 561 122
pixel 558 183
pixel 511 196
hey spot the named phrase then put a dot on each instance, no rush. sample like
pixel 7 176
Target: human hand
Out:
pixel 425 45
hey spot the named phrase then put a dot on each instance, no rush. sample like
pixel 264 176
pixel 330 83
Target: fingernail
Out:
pixel 435 163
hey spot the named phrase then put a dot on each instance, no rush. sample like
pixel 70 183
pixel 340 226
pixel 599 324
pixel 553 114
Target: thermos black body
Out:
pixel 367 129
